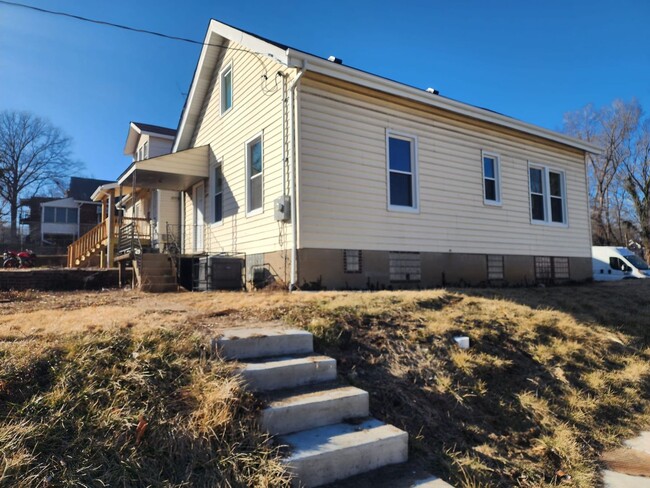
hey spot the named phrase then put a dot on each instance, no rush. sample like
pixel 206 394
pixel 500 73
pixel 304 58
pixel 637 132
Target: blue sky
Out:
pixel 530 60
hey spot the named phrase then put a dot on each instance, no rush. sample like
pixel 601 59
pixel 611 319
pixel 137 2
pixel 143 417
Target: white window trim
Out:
pixel 212 193
pixel 497 178
pixel 546 188
pixel 414 155
pixel 222 73
pixel 257 211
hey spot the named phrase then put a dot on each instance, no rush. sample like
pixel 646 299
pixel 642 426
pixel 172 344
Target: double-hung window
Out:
pixel 254 174
pixel 226 88
pixel 491 179
pixel 547 195
pixel 402 172
pixel 217 175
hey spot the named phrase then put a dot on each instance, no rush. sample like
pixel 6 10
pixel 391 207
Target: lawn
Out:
pixel 554 376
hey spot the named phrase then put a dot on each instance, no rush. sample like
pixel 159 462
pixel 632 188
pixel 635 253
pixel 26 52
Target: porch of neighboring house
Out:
pixel 138 232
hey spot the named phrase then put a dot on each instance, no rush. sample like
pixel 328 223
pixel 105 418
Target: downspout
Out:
pixel 284 134
pixel 292 177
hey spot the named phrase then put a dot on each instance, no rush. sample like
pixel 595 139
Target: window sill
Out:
pixel 492 203
pixel 400 209
pixel 549 224
pixel 255 212
pixel 218 223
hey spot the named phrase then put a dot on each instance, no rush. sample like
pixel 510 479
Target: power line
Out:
pixel 125 27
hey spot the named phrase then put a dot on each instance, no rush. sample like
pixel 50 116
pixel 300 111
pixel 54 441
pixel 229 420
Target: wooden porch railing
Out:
pixel 88 243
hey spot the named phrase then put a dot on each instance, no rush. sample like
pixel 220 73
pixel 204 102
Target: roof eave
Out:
pixel 299 59
pixel 131 139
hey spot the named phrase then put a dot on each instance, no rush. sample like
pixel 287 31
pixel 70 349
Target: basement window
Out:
pixel 405 266
pixel 543 268
pixel 561 268
pixel 551 268
pixel 495 267
pixel 352 261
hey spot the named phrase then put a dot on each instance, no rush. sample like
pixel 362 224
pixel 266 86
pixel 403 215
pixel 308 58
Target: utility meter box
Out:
pixel 282 209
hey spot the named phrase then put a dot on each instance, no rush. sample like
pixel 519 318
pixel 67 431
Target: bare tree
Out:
pixel 613 128
pixel 637 181
pixel 32 154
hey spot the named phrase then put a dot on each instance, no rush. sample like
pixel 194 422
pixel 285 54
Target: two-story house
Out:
pixel 325 175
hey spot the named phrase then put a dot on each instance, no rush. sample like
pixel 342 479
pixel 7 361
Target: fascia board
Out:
pixel 345 73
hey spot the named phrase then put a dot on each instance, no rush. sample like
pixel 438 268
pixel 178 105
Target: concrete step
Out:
pixel 159 287
pixel 156 266
pixel 405 475
pixel 288 372
pixel 159 279
pixel 312 407
pixel 159 270
pixel 248 343
pixel 326 454
pixel 148 257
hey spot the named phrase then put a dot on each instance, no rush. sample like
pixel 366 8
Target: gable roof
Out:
pixel 219 36
pixel 138 128
pixel 155 129
pixel 81 189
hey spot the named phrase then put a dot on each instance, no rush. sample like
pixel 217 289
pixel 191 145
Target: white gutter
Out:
pixel 292 177
pixel 358 77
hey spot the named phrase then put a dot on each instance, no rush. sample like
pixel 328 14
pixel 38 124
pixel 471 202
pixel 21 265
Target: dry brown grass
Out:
pixel 554 377
pixel 125 408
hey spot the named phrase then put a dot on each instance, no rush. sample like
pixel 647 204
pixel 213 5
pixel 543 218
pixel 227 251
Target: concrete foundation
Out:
pixel 324 268
pixel 58 279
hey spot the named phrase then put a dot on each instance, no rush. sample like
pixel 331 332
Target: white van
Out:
pixel 617 263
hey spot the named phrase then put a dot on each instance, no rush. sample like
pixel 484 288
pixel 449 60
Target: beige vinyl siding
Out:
pixel 144 138
pixel 188 220
pixel 159 146
pixel 343 192
pixel 168 209
pixel 257 108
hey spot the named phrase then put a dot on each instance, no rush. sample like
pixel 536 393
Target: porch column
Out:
pixel 110 231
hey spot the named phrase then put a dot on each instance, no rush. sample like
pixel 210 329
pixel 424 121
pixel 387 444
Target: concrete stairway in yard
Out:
pixel 325 425
pixel 157 273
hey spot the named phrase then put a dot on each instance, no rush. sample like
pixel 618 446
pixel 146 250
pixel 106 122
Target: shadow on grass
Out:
pixel 623 306
pixel 496 415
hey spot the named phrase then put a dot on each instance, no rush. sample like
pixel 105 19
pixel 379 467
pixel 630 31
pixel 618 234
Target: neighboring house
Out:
pixel 33 218
pixel 65 219
pixel 145 208
pixel 157 207
pixel 325 175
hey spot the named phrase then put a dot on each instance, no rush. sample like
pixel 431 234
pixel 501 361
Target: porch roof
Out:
pixel 176 171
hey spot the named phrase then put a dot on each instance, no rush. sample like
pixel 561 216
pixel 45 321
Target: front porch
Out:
pixel 141 217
